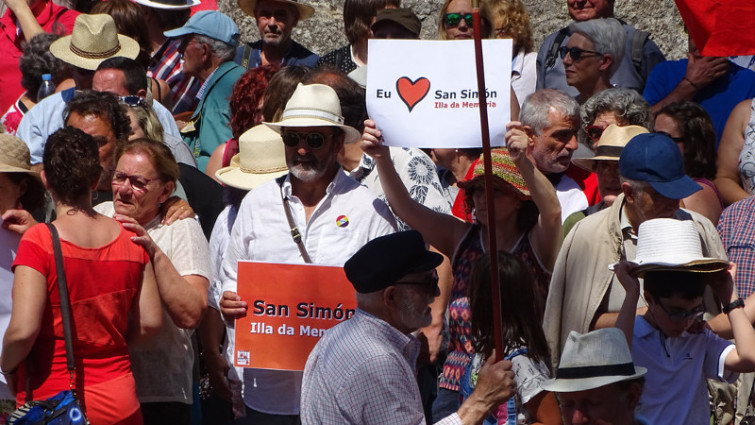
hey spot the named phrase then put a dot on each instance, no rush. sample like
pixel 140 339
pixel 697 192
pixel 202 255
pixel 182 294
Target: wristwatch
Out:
pixel 739 302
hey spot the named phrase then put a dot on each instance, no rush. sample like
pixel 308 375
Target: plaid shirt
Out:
pixel 362 372
pixel 167 66
pixel 737 229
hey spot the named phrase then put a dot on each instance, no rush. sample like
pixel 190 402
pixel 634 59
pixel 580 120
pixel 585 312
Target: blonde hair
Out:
pixel 512 17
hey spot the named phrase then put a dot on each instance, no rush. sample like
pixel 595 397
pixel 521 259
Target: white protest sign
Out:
pixel 424 94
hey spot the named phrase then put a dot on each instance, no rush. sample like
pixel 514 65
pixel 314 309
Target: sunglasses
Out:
pixel 675 139
pixel 454 19
pixel 133 101
pixel 594 132
pixel 138 183
pixel 679 315
pixel 314 140
pixel 576 53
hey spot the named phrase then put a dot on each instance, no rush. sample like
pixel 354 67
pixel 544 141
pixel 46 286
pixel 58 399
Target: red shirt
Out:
pixel 53 19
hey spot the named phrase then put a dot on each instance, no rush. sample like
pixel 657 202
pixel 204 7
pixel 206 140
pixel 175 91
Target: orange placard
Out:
pixel 290 307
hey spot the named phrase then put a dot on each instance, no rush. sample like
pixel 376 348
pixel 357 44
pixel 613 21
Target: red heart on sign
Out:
pixel 411 92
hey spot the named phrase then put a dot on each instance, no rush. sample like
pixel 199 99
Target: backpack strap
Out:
pixel 550 58
pixel 638 44
pixel 246 55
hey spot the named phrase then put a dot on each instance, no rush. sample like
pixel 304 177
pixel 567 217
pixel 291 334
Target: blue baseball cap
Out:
pixel 656 159
pixel 211 23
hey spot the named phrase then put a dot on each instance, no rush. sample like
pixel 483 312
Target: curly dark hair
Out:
pixel 72 165
pixel 521 308
pixel 246 96
pixel 698 137
pixel 37 60
pixel 358 14
pixel 279 90
pixel 102 105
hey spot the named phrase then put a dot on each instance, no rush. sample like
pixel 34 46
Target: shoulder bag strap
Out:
pixel 65 305
pixel 550 58
pixel 294 230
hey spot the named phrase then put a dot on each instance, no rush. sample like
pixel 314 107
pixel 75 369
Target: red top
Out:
pixel 102 285
pixel 53 19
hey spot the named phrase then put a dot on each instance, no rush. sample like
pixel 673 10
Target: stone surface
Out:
pixel 324 32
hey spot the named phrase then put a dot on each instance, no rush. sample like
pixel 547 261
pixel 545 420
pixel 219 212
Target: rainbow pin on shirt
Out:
pixel 342 221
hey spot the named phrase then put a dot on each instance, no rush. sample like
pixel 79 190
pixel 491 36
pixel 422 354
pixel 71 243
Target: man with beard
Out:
pixel 275 21
pixel 330 214
pixel 362 371
pixel 584 294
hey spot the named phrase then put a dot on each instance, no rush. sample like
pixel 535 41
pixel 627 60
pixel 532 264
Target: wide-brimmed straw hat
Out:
pixel 670 244
pixel 305 11
pixel 169 4
pixel 594 360
pixel 261 158
pixel 314 105
pixel 94 38
pixel 504 172
pixel 611 144
pixel 15 156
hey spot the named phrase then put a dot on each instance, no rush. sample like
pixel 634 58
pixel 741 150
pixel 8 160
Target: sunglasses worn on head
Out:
pixel 454 19
pixel 132 101
pixel 576 53
pixel 314 140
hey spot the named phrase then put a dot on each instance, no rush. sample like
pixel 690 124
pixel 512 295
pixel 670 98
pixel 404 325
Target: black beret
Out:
pixel 385 260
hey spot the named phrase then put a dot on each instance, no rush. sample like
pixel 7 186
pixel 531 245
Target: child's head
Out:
pixel 521 307
pixel 675 299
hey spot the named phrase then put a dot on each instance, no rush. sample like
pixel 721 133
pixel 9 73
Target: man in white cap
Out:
pixel 596 381
pixel 93 40
pixel 330 214
pixel 275 20
pixel 209 40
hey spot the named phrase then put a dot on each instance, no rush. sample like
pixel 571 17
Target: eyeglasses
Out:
pixel 314 140
pixel 594 132
pixel 454 19
pixel 675 139
pixel 133 101
pixel 138 183
pixel 575 52
pixel 679 315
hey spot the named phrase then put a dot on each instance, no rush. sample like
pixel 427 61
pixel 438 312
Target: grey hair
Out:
pixel 224 51
pixel 537 106
pixel 607 35
pixel 629 107
pixel 638 187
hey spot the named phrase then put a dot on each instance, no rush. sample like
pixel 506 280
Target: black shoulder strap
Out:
pixel 65 304
pixel 56 28
pixel 550 58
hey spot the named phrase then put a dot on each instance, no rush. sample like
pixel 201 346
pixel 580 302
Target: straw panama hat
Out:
pixel 670 244
pixel 314 105
pixel 169 4
pixel 593 360
pixel 15 156
pixel 94 38
pixel 261 158
pixel 305 11
pixel 611 144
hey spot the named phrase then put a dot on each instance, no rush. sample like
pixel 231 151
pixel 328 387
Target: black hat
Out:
pixel 385 260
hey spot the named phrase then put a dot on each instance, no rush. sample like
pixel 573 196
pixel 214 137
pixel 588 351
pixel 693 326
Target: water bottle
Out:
pixel 47 88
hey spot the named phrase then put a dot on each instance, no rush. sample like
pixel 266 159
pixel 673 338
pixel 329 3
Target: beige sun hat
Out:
pixel 593 360
pixel 314 105
pixel 611 144
pixel 15 156
pixel 261 158
pixel 94 38
pixel 305 11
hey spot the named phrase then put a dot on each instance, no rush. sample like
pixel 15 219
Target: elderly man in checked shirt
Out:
pixel 363 370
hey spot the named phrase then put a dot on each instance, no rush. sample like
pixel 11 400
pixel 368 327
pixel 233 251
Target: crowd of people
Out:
pixel 167 151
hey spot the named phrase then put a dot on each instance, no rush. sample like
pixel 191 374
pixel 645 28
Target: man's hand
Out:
pixel 232 307
pixel 217 370
pixel 495 385
pixel 703 70
pixel 18 221
pixel 629 282
pixel 723 285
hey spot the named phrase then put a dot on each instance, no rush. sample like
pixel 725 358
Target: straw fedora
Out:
pixel 15 156
pixel 670 244
pixel 593 360
pixel 169 4
pixel 314 105
pixel 261 158
pixel 611 144
pixel 94 38
pixel 305 11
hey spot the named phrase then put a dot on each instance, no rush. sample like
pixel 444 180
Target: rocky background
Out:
pixel 324 32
